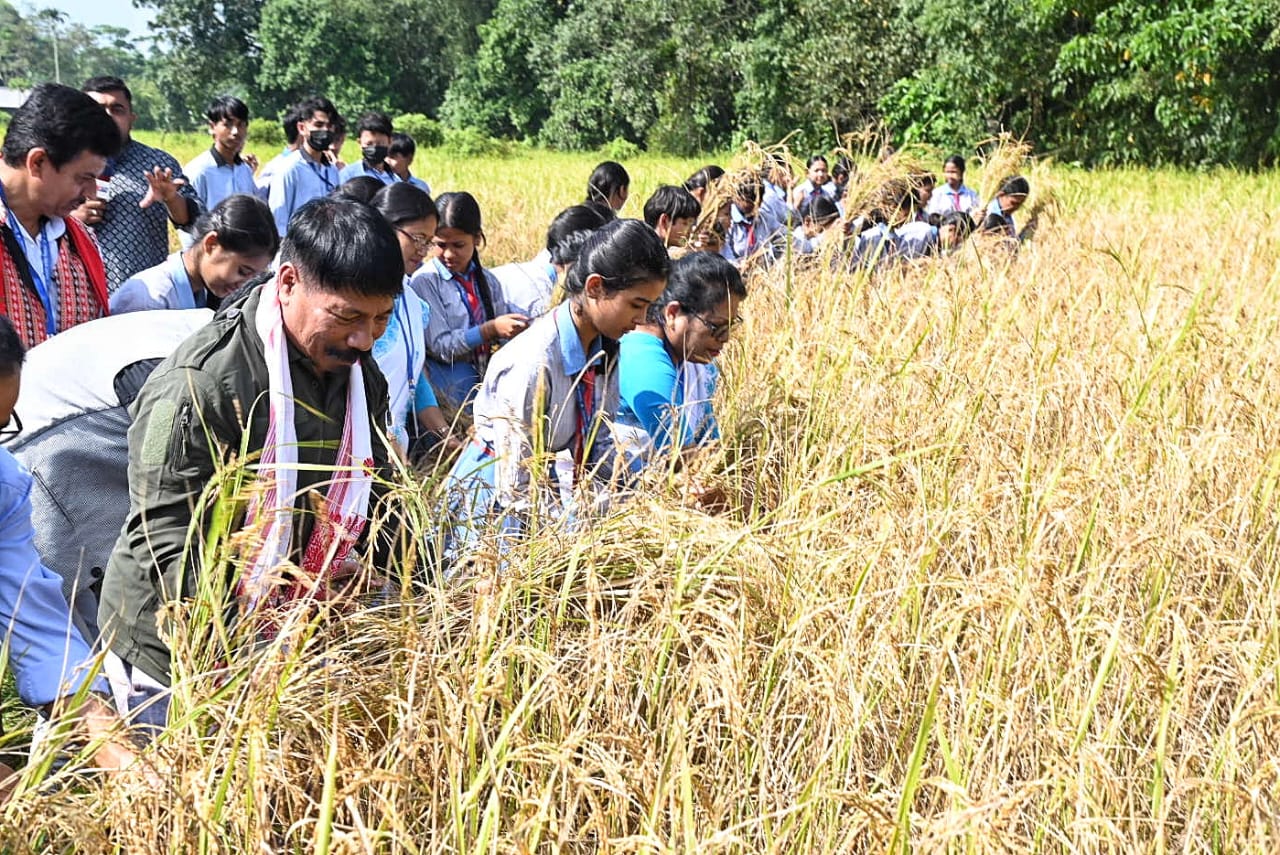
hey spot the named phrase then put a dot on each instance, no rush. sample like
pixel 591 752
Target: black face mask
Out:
pixel 374 155
pixel 320 140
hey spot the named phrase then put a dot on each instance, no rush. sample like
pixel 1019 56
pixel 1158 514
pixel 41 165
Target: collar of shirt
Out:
pixel 738 217
pixel 187 298
pixel 219 161
pixel 572 355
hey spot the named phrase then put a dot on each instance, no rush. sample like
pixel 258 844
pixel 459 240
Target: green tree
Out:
pixel 385 61
pixel 496 90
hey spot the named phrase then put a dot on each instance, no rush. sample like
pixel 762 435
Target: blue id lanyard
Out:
pixel 43 284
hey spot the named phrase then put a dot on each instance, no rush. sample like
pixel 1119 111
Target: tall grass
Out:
pixel 1000 575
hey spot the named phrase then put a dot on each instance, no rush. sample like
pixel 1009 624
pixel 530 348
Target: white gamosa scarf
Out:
pixel 342 515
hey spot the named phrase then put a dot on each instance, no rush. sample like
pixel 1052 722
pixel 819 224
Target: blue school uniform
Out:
pixel 527 285
pixel 359 168
pixel 456 350
pixel 542 392
pixel 299 180
pixel 401 355
pixel 917 239
pixel 165 286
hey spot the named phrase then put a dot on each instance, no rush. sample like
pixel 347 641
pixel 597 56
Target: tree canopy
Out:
pixel 1121 81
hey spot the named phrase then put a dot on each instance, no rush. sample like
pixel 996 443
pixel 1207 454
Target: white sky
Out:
pixel 92 13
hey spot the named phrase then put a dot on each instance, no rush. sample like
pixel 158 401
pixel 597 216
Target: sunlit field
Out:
pixel 999 573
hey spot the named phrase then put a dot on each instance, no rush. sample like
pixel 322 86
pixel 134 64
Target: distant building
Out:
pixel 11 99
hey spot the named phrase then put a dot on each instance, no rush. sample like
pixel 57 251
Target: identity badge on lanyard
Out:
pixel 44 283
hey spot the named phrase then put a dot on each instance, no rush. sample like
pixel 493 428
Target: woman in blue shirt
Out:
pixel 667 374
pixel 234 243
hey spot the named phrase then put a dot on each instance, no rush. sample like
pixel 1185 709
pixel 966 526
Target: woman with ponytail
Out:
pixel 234 243
pixel 555 388
pixel 469 317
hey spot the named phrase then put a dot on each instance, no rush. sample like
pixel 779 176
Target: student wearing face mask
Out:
pixel 373 132
pixel 308 173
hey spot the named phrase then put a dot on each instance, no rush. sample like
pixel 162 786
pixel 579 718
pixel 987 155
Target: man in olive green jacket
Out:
pixel 214 400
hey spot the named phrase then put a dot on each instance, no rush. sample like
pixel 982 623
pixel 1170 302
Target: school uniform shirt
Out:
pixel 802 244
pixel 945 200
pixel 76 389
pixel 805 190
pixel 268 171
pixel 917 239
pixel 165 286
pixel 415 181
pixel 48 656
pixel 746 237
pixel 527 285
pixel 133 238
pixel 774 209
pixel 299 180
pixel 998 221
pixel 661 406
pixel 543 382
pixel 876 246
pixel 359 168
pixel 214 179
pixel 456 350
pixel 401 354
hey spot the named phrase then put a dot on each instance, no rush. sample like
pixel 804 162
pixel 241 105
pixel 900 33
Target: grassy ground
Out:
pixel 1001 576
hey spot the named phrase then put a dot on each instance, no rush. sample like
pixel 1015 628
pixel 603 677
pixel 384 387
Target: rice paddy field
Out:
pixel 998 571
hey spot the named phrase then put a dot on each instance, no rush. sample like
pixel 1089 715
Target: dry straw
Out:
pixel 999 576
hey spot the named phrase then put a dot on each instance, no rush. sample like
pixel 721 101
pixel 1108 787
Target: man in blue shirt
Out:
pixel 132 229
pixel 400 158
pixel 289 122
pixel 374 136
pixel 221 171
pixel 307 173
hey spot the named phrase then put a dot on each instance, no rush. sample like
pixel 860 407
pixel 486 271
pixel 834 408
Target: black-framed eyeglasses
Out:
pixel 419 242
pixel 13 427
pixel 718 331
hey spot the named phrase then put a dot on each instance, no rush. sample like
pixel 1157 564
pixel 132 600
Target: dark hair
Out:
pixel 308 107
pixel 106 83
pixel 749 186
pixel 624 253
pixel 955 160
pixel 461 211
pixel 340 245
pixel 402 145
pixel 226 107
pixel 339 123
pixel 808 164
pixel 960 219
pixel 844 166
pixel 703 177
pixel 404 203
pixel 676 202
pixel 12 351
pixel 64 123
pixel 820 209
pixel 289 121
pixel 570 229
pixel 362 188
pixel 243 224
pixel 924 179
pixel 1014 185
pixel 607 179
pixel 375 123
pixel 699 281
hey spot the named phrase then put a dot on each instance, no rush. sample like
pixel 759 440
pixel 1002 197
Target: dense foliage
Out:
pixel 1120 81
